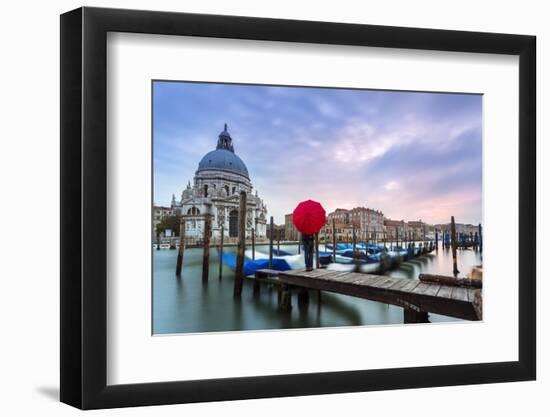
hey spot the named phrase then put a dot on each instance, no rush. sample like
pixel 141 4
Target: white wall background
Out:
pixel 29 180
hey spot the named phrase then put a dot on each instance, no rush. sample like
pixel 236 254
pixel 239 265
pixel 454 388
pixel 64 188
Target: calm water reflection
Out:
pixel 187 305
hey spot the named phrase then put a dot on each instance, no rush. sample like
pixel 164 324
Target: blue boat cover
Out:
pixel 251 266
pixel 340 246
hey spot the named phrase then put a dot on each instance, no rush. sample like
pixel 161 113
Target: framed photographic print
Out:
pixel 259 207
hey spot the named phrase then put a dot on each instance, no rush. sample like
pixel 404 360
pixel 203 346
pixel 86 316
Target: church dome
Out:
pixel 223 158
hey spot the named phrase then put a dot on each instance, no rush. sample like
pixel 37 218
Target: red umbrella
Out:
pixel 309 217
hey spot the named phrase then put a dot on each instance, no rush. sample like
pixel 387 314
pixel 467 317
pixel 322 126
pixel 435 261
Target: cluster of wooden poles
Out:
pixel 455 244
pixel 239 271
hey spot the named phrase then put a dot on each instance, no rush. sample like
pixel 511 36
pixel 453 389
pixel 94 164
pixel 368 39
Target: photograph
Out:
pixel 292 207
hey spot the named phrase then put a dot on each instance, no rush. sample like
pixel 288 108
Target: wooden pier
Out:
pixel 417 297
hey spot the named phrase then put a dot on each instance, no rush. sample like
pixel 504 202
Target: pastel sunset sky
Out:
pixel 412 155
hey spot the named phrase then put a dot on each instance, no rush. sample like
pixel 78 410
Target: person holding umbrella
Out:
pixel 308 245
pixel 308 217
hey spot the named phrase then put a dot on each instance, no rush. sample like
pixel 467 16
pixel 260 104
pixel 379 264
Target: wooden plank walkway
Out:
pixel 414 295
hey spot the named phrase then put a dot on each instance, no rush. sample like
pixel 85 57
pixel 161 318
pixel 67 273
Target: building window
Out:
pixel 233 223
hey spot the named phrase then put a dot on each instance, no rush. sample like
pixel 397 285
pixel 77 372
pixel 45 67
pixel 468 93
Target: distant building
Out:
pixel 218 181
pixel 364 220
pixel 367 220
pixel 290 230
pixel 417 229
pixel 396 229
pixel 460 228
pixel 340 216
pixel 343 233
pixel 278 232
pixel 159 213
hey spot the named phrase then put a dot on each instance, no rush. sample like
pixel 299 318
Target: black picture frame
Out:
pixel 84 207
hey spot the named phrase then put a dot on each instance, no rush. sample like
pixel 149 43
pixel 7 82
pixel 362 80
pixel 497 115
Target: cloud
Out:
pixel 341 147
pixel 360 142
pixel 391 185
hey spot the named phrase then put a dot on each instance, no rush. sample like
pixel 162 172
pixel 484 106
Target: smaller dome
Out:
pixel 224 140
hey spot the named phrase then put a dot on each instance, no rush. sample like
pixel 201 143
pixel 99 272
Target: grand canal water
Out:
pixel 187 305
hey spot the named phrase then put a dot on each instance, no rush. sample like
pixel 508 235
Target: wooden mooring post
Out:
pixel 334 240
pixel 239 269
pixel 278 240
pixel 299 242
pixel 424 237
pixel 480 238
pixel 354 246
pixel 303 297
pixel 206 246
pixel 221 254
pixel 397 237
pixel 181 249
pixel 411 315
pixel 453 245
pixel 270 242
pixel 253 237
pixel 285 298
pixel 317 259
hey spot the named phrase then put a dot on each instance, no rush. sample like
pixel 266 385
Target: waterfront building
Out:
pixel 396 229
pixel 417 229
pixel 459 227
pixel 430 231
pixel 219 179
pixel 343 232
pixel 291 233
pixel 159 213
pixel 365 220
pixel 278 232
pixel 340 216
pixel 369 220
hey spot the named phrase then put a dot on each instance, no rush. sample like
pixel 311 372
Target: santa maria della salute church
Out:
pixel 218 181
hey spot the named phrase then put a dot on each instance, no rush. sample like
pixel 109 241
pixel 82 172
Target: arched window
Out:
pixel 226 189
pixel 233 191
pixel 233 223
pixel 205 190
pixel 193 211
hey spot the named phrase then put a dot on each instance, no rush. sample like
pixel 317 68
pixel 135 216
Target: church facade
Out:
pixel 217 184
